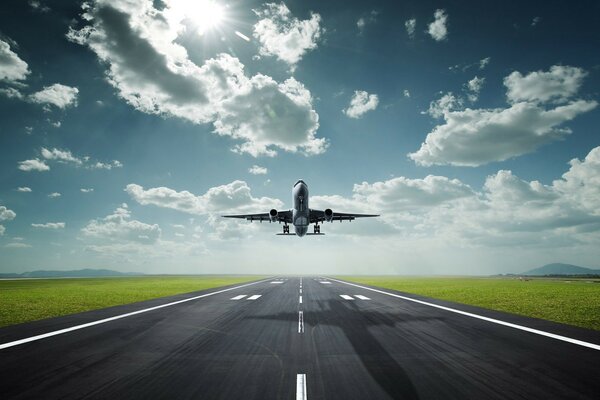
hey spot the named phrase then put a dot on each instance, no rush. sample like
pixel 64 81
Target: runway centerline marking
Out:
pixel 346 297
pixel 301 387
pixel 300 300
pixel 481 317
pixel 300 321
pixel 256 296
pixel 241 296
pixel 116 317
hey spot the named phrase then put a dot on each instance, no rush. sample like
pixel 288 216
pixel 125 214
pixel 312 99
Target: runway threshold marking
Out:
pixel 116 317
pixel 346 297
pixel 301 387
pixel 277 282
pixel 481 317
pixel 241 296
pixel 361 297
pixel 300 321
pixel 256 296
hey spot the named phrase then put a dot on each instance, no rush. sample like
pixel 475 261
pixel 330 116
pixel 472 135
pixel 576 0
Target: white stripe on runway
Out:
pixel 360 296
pixel 256 296
pixel 301 387
pixel 300 322
pixel 241 296
pixel 300 299
pixel 493 320
pixel 346 297
pixel 326 283
pixel 102 321
pixel 277 282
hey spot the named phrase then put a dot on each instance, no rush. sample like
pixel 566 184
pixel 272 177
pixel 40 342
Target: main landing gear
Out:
pixel 286 229
pixel 317 229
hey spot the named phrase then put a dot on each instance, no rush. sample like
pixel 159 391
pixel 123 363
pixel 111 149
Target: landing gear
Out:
pixel 317 229
pixel 286 229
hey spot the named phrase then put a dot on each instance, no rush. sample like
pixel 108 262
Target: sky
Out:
pixel 127 127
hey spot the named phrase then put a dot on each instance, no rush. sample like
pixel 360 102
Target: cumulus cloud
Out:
pixel 154 74
pixel 54 195
pixel 437 29
pixel 257 170
pixel 58 95
pixel 284 36
pixel 86 190
pixel 484 62
pixel 6 214
pixel 119 227
pixel 24 189
pixel 361 103
pixel 50 225
pixel 12 68
pixel 33 165
pixel 64 156
pixel 37 5
pixel 233 197
pixel 476 137
pixel 558 84
pixel 364 21
pixel 474 86
pixel 410 25
pixel 473 137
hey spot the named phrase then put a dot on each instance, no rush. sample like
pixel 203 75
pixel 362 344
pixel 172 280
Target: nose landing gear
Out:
pixel 286 229
pixel 317 229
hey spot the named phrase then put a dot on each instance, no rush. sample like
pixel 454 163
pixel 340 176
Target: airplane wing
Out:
pixel 282 216
pixel 319 216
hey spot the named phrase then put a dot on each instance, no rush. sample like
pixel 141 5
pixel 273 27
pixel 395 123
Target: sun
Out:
pixel 205 14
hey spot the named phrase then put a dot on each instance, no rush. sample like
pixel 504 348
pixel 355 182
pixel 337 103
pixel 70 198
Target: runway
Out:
pixel 297 338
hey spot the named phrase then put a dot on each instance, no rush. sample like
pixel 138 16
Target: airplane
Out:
pixel 301 216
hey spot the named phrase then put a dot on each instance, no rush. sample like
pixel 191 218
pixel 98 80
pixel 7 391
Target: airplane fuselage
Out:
pixel 301 212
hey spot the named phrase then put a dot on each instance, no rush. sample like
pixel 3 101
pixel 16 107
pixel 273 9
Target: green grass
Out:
pixel 569 301
pixel 28 300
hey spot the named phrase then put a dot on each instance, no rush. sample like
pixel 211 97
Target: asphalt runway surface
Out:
pixel 299 338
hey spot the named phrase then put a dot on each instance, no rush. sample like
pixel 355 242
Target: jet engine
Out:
pixel 328 214
pixel 273 215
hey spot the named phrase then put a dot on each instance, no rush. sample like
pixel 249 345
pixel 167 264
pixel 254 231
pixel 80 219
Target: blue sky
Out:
pixel 128 127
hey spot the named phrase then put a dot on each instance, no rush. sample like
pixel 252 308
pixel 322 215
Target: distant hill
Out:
pixel 561 269
pixel 79 273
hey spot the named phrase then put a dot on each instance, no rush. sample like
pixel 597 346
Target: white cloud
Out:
pixel 473 137
pixel 11 93
pixel 361 103
pixel 86 190
pixel 33 165
pixel 17 245
pixel 50 225
pixel 257 170
pixel 12 68
pixel 440 107
pixel 37 5
pixel 406 93
pixel 364 21
pixel 559 84
pixel 535 21
pixel 476 137
pixel 107 166
pixel 159 78
pixel 284 36
pixel 119 227
pixel 60 155
pixel 233 197
pixel 6 214
pixel 54 195
pixel 58 95
pixel 437 29
pixel 24 189
pixel 474 87
pixel 410 25
pixel 484 62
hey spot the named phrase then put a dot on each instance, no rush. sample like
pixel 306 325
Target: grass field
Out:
pixel 28 300
pixel 569 301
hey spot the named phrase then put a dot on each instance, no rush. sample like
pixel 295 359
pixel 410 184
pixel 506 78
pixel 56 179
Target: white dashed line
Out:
pixel 256 296
pixel 241 296
pixel 300 322
pixel 346 297
pixel 361 297
pixel 300 300
pixel 301 387
pixel 326 283
pixel 116 317
pixel 481 317
pixel 277 282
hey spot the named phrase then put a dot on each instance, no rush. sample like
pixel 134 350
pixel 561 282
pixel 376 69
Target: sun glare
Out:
pixel 206 14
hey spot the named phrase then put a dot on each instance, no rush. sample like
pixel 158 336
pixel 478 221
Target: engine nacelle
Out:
pixel 328 214
pixel 273 215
